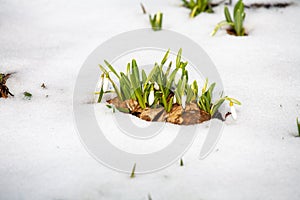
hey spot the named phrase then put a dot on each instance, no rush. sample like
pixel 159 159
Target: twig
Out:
pixel 143 8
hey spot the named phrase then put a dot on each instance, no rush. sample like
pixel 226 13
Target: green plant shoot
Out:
pixel 236 23
pixel 156 21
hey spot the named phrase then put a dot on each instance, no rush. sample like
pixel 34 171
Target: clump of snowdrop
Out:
pixel 198 6
pixel 235 23
pixel 161 88
pixel 205 100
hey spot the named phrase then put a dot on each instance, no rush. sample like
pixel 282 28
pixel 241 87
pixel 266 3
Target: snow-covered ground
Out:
pixel 41 156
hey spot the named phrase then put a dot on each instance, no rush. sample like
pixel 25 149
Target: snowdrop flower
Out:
pixel 178 75
pixel 105 84
pixel 174 99
pixel 183 100
pixel 156 86
pixel 233 111
pixel 151 97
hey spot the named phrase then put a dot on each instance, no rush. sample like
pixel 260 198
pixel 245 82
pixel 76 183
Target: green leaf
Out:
pixel 100 94
pixel 128 69
pixel 144 77
pixel 160 21
pixel 207 103
pixel 227 15
pixel 135 71
pixel 202 104
pixel 237 7
pixel 195 88
pixel 189 94
pixel 216 106
pixel 205 86
pixel 178 97
pixel 27 95
pixel 112 69
pixel 137 91
pixel 233 100
pixel 210 90
pixel 109 106
pixel 103 69
pixel 124 110
pixel 165 58
pixel 125 88
pixel 115 87
pixel 184 82
pixel 133 171
pixel 193 13
pixel 125 78
pixel 150 75
pixel 238 23
pixel 171 78
pixel 170 104
pixel 168 69
pixel 178 58
pixel 221 24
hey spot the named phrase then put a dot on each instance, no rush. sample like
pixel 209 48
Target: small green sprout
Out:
pixel 198 7
pixel 27 95
pixel 205 100
pixel 156 21
pixel 132 175
pixel 111 107
pixel 238 19
pixel 298 124
pixel 181 162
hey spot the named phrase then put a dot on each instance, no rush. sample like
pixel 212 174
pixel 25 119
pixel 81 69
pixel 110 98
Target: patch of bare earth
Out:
pixel 188 116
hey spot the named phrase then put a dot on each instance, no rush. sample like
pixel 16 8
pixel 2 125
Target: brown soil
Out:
pixel 190 115
pixel 4 91
pixel 231 31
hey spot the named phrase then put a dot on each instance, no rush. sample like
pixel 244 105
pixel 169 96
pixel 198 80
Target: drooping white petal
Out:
pixel 174 99
pixel 233 112
pixel 99 84
pixel 151 97
pixel 178 76
pixel 183 100
pixel 156 86
pixel 105 84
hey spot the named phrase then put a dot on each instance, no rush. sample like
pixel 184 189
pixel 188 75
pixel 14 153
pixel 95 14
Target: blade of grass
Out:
pixel 111 69
pixel 133 171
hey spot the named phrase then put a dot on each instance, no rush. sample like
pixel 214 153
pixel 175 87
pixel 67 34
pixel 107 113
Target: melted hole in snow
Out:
pixel 138 122
pixel 113 133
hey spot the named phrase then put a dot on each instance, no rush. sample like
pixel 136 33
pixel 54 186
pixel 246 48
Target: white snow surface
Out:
pixel 41 156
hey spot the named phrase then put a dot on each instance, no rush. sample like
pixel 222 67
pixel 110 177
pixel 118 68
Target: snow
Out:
pixel 41 156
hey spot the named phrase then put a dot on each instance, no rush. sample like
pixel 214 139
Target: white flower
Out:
pixel 151 98
pixel 178 75
pixel 156 86
pixel 174 99
pixel 105 84
pixel 183 100
pixel 233 111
